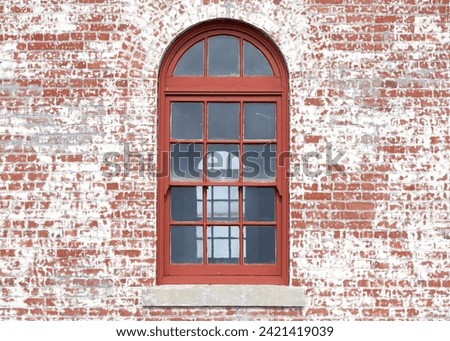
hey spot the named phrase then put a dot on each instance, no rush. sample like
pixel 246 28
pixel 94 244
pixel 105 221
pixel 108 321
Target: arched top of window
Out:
pixel 224 53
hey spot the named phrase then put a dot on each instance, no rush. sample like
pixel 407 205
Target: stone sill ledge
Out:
pixel 223 296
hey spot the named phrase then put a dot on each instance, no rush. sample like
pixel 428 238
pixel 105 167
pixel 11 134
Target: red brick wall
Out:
pixel 368 78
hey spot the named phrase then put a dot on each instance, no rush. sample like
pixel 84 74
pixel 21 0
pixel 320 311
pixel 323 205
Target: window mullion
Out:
pixel 241 228
pixel 205 56
pixel 204 188
pixel 241 57
pixel 240 188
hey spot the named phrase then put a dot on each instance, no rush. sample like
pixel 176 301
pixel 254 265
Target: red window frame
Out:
pixel 223 89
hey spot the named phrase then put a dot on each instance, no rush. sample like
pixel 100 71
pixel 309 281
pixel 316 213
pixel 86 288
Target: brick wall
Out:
pixel 369 79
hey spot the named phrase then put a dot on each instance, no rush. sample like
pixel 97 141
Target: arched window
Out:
pixel 223 201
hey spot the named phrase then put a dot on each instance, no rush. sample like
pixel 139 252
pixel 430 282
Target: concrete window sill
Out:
pixel 223 296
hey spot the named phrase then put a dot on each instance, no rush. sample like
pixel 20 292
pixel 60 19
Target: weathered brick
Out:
pixel 370 78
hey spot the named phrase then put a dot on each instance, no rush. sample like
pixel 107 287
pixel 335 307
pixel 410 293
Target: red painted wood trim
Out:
pixel 227 89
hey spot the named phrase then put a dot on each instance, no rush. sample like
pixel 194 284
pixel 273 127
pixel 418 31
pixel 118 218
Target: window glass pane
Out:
pixel 187 120
pixel 223 161
pixel 191 63
pixel 223 56
pixel 259 204
pixel 259 121
pixel 223 121
pixel 223 203
pixel 185 161
pixel 255 64
pixel 223 244
pixel 186 244
pixel 186 203
pixel 259 161
pixel 259 245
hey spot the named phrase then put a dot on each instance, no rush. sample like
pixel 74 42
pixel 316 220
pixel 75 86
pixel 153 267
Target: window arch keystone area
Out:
pixel 222 132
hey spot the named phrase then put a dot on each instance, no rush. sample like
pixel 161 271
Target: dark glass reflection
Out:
pixel 185 161
pixel 259 204
pixel 223 56
pixel 255 64
pixel 259 245
pixel 186 203
pixel 187 120
pixel 186 244
pixel 259 161
pixel 223 121
pixel 191 63
pixel 259 121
